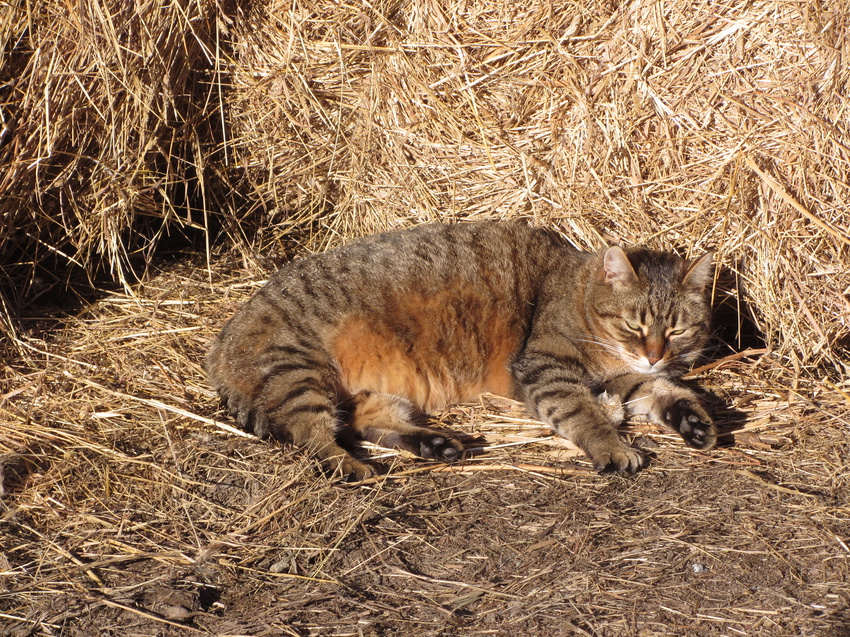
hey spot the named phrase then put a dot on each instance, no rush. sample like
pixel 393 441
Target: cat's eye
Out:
pixel 676 332
pixel 634 328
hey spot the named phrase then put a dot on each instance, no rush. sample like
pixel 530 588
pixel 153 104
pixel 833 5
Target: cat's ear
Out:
pixel 616 267
pixel 700 272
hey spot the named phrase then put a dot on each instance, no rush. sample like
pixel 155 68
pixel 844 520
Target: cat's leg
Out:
pixel 556 390
pixel 300 406
pixel 280 386
pixel 388 420
pixel 667 403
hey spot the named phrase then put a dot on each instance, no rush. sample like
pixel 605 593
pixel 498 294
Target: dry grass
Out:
pixel 108 112
pixel 131 506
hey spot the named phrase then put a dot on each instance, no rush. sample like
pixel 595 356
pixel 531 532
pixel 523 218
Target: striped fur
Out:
pixel 360 342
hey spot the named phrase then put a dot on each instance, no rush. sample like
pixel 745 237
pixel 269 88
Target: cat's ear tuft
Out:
pixel 616 267
pixel 700 272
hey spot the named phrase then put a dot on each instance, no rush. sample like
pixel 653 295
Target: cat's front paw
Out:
pixel 692 422
pixel 622 459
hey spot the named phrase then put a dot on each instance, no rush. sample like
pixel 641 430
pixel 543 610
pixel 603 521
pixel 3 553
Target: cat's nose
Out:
pixel 654 350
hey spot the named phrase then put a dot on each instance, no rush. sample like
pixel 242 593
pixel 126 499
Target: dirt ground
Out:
pixel 132 507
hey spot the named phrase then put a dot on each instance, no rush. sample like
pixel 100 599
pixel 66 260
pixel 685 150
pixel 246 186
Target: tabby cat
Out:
pixel 360 342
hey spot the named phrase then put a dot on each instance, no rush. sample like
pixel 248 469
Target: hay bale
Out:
pixel 692 125
pixel 106 134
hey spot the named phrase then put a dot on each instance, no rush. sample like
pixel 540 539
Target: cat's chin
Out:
pixel 643 366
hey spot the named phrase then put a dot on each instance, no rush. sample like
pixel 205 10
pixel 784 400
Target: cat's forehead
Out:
pixel 664 303
pixel 647 310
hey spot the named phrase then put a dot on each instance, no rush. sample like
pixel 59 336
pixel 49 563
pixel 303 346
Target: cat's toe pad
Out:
pixel 440 447
pixel 691 421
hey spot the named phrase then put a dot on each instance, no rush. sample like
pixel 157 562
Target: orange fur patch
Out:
pixel 497 379
pixel 423 352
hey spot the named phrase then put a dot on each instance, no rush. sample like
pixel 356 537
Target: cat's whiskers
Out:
pixel 616 349
pixel 641 364
pixel 607 345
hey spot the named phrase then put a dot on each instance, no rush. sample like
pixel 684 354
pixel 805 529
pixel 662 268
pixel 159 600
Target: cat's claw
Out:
pixel 692 422
pixel 348 468
pixel 627 460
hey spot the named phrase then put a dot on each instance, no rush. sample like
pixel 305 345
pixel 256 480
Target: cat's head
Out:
pixel 651 309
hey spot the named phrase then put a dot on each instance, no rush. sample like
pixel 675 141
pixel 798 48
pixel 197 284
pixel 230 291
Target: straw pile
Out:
pixel 682 125
pixel 106 127
pixel 128 504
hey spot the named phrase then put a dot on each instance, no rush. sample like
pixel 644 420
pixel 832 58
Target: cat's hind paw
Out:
pixel 625 460
pixel 692 423
pixel 347 468
pixel 440 447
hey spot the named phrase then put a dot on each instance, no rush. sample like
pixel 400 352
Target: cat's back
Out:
pixel 426 258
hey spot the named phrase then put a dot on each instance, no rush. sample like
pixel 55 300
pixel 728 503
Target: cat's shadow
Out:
pixel 728 419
